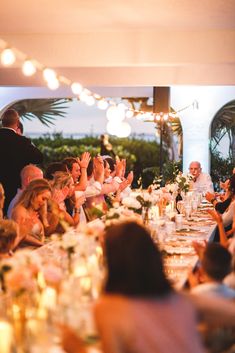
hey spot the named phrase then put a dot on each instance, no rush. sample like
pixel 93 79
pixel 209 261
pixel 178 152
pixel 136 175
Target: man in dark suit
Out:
pixel 16 151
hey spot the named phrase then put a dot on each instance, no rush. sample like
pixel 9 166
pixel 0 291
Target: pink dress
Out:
pixel 147 326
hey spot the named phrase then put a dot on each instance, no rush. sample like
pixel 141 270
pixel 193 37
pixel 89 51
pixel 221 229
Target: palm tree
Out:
pixel 222 125
pixel 45 110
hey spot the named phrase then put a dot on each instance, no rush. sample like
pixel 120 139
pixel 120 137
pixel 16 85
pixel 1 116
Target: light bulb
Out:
pixel 49 75
pixel 158 118
pixel 112 127
pixel 115 114
pixel 90 100
pixel 122 106
pixel 124 130
pixel 102 104
pixel 28 68
pixel 139 116
pixel 53 84
pixel 76 88
pixel 7 57
pixel 129 114
pixel 165 117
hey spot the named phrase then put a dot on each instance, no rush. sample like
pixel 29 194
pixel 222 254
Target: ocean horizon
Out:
pixel 147 137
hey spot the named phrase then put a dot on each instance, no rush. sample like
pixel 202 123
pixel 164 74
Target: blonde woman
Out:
pixel 30 212
pixel 9 237
pixel 63 188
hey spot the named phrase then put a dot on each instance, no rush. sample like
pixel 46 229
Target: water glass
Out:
pixel 169 228
pixel 188 211
pixel 179 221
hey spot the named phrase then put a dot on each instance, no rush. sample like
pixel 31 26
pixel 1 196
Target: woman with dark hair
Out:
pixel 139 311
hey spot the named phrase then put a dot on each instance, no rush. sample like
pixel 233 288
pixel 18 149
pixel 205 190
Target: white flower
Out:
pixel 147 197
pixel 171 187
pixel 69 240
pixel 131 202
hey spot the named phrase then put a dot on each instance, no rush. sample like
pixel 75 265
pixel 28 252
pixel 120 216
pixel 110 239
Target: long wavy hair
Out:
pixel 34 188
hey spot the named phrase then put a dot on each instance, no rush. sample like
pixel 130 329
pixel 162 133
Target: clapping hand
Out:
pixel 215 215
pixel 130 177
pixel 84 161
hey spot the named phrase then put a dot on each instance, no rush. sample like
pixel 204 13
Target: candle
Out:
pixel 85 284
pixel 6 337
pixel 49 298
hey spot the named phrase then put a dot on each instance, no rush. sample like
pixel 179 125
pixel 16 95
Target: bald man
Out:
pixel 201 181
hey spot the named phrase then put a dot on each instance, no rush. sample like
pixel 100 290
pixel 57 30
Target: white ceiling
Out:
pixel 124 43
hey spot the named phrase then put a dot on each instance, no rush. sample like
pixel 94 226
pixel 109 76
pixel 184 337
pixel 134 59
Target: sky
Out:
pixel 83 119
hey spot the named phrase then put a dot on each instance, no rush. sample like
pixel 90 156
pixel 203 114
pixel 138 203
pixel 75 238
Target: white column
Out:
pixel 196 122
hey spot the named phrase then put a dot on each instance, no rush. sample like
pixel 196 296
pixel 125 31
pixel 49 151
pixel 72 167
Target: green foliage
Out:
pixel 145 155
pixel 221 168
pixel 171 170
pixel 142 156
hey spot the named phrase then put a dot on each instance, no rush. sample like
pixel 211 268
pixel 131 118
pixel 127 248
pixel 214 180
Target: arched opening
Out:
pixel 222 143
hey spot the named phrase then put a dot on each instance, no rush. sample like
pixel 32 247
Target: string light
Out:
pixel 102 104
pixel 28 68
pixel 49 75
pixel 76 88
pixel 8 57
pixel 116 112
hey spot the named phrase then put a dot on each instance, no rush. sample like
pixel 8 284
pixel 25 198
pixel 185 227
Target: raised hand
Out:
pixel 215 215
pixel 130 177
pixel 84 161
pixel 98 169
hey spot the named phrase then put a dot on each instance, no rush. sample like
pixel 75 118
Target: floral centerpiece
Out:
pixel 181 183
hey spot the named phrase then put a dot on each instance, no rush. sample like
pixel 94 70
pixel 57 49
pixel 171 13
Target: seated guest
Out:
pixel 216 264
pixel 118 176
pixel 27 174
pixel 221 207
pixel 9 237
pixel 201 181
pixel 30 212
pixel 78 170
pixel 139 311
pixel 223 235
pixel 54 167
pixel 62 187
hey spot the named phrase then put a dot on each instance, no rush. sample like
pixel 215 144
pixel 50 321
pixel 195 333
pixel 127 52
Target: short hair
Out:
pixel 199 164
pixel 54 167
pixel 8 234
pixel 69 161
pixel 134 262
pixel 30 171
pixel 10 117
pixel 216 261
pixel 34 188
